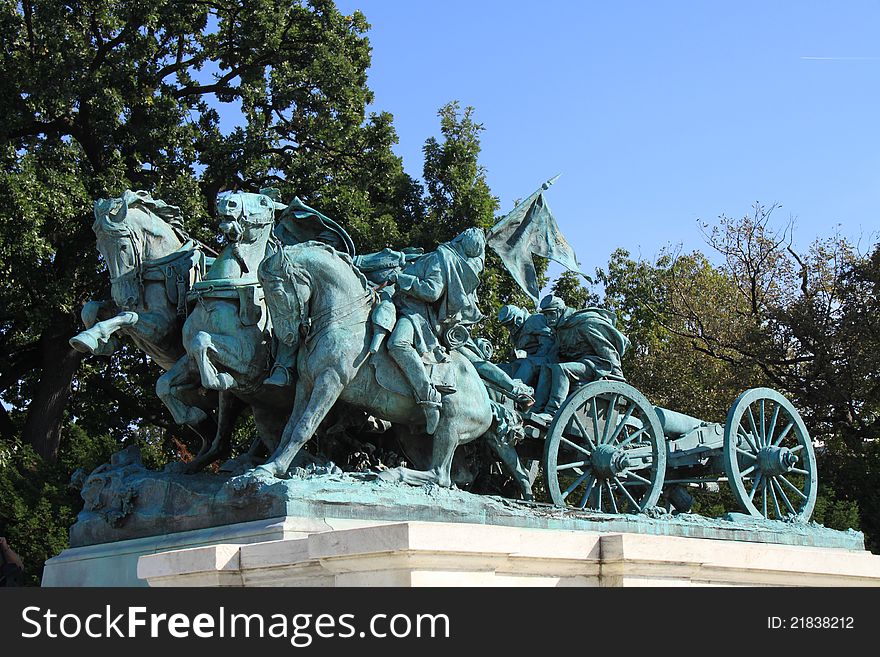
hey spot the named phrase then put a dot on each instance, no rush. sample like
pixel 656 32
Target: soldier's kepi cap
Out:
pixel 551 302
pixel 511 315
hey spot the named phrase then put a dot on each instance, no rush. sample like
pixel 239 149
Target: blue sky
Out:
pixel 657 114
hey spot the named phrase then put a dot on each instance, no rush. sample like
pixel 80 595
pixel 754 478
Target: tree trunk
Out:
pixel 7 427
pixel 59 362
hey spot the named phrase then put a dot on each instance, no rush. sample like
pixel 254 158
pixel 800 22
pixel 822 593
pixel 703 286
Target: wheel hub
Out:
pixel 608 461
pixel 775 460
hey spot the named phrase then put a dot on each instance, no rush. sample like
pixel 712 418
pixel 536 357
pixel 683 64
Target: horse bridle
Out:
pixel 312 328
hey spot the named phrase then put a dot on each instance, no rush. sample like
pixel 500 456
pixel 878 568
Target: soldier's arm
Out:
pixel 428 287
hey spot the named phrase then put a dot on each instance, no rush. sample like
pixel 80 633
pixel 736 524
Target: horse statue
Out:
pixel 227 335
pixel 153 263
pixel 321 307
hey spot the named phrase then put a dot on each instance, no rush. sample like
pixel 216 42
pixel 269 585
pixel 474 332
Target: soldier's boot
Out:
pixel 280 376
pixel 283 368
pixel 431 406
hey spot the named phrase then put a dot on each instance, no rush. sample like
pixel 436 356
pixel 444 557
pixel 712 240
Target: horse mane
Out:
pixel 170 214
pixel 278 263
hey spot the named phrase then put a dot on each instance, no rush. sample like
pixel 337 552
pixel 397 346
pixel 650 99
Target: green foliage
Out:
pixel 805 324
pixel 102 96
pixel 570 288
pixel 457 198
pixel 38 504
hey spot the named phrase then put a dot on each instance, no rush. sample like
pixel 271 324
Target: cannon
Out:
pixel 608 449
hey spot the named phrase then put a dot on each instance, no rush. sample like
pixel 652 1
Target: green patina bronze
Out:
pixel 290 322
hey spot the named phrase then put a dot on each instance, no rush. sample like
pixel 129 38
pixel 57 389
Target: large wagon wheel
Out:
pixel 605 450
pixel 768 456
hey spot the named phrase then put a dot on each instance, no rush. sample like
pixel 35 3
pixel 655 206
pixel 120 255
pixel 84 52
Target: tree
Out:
pixel 102 96
pixel 804 324
pixel 570 289
pixel 457 198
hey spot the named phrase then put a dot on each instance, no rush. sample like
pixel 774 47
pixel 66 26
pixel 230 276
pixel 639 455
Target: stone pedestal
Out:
pixel 115 563
pixel 444 554
pixel 335 528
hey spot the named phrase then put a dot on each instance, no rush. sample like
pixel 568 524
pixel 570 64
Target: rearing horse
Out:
pixel 227 335
pixel 320 305
pixel 152 264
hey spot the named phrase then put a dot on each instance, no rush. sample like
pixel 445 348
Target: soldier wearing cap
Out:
pixel 590 348
pixel 532 339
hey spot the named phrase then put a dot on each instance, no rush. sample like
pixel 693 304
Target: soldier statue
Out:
pixel 533 341
pixel 435 295
pixel 589 348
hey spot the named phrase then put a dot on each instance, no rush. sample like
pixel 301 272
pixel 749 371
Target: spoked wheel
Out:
pixel 605 450
pixel 769 458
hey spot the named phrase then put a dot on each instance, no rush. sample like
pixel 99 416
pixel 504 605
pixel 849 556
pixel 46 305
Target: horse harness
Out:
pixel 179 270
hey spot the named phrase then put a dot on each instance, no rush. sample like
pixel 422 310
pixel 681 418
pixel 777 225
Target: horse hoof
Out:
pixel 266 470
pixel 391 476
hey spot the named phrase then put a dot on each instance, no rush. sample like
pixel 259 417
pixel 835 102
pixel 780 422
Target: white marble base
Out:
pixel 115 564
pixel 444 554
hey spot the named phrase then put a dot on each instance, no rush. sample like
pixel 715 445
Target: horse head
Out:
pixel 133 229
pixel 288 290
pixel 244 215
pixel 290 275
pixel 246 221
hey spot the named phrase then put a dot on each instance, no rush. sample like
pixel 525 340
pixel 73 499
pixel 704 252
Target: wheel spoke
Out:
pixel 633 436
pixel 784 433
pixel 763 426
pixel 796 449
pixel 611 495
pixel 599 498
pixel 626 492
pixel 627 415
pixel 606 431
pixel 799 471
pixel 744 434
pixel 755 486
pixel 786 500
pixel 575 446
pixel 580 425
pixel 765 498
pixel 586 497
pixel 773 423
pixel 576 464
pixel 773 486
pixel 577 482
pixel 595 414
pixel 637 477
pixel 746 453
pixel 793 487
pixel 754 428
pixel 744 472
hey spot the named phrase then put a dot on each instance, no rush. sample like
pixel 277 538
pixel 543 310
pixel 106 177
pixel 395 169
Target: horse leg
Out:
pixel 228 410
pixel 302 425
pixel 98 338
pixel 270 425
pixel 445 442
pixel 203 346
pixel 510 461
pixel 166 388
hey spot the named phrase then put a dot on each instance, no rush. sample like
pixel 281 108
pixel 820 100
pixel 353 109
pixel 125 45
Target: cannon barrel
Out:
pixel 675 423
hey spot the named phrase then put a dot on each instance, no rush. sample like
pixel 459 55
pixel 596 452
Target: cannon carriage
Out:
pixel 609 450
